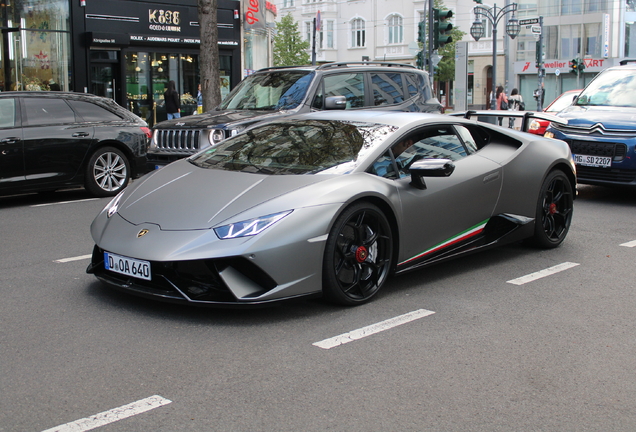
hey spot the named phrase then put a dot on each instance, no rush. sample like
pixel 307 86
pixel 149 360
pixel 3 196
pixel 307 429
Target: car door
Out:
pixel 11 145
pixel 55 141
pixel 450 210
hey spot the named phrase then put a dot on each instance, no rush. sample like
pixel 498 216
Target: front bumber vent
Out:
pixel 193 282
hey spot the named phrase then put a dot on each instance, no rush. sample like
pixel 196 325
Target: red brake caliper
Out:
pixel 553 208
pixel 361 254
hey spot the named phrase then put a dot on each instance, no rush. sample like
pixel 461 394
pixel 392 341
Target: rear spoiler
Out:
pixel 491 116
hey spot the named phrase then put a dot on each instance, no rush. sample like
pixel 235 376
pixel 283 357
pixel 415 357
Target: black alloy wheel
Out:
pixel 108 172
pixel 358 255
pixel 554 210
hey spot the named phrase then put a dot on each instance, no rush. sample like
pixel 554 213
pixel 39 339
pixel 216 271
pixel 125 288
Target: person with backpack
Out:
pixel 515 103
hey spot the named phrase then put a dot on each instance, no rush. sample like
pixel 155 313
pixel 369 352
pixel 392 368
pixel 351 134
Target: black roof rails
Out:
pixel 283 67
pixel 341 64
pixel 625 61
pixel 364 63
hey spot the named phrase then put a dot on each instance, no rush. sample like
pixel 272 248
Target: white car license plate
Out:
pixel 593 161
pixel 127 266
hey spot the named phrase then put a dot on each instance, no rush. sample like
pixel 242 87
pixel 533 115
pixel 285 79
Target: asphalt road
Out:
pixel 556 353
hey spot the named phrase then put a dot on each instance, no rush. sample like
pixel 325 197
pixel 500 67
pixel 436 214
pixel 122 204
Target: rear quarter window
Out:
pixel 93 113
pixel 388 88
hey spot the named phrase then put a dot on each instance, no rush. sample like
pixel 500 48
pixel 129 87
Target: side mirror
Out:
pixel 335 102
pixel 430 168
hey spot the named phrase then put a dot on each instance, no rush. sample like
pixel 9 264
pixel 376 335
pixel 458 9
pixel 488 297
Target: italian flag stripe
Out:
pixel 470 232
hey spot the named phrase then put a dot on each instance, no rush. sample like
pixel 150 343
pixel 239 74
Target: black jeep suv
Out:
pixel 277 92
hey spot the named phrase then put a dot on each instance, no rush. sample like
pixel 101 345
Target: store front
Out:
pixel 35 41
pixel 130 57
pixel 558 78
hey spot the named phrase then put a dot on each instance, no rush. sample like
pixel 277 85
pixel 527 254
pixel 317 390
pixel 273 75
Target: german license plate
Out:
pixel 593 161
pixel 127 266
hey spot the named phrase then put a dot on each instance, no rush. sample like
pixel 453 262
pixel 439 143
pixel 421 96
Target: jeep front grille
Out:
pixel 178 140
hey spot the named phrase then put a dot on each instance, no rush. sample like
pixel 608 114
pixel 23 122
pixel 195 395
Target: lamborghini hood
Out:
pixel 182 196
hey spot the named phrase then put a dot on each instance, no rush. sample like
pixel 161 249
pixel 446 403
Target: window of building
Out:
pixel 571 41
pixel 571 7
pixel 551 42
pixel 308 31
pixel 39 54
pixel 288 3
pixel 596 6
pixel 396 29
pixel 358 33
pixel 330 36
pixel 593 39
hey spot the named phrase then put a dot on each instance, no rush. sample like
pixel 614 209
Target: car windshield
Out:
pixel 296 147
pixel 282 90
pixel 614 88
pixel 562 102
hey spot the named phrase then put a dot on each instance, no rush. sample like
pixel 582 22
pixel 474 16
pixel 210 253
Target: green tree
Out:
pixel 289 47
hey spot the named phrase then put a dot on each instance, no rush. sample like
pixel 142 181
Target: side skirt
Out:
pixel 493 232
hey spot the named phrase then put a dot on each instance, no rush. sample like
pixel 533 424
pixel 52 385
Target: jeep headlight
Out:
pixel 216 136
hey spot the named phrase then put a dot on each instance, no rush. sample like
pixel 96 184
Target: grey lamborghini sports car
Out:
pixel 331 204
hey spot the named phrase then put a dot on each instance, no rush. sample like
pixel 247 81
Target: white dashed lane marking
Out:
pixel 629 244
pixel 64 202
pixel 77 258
pixel 543 273
pixel 372 329
pixel 112 416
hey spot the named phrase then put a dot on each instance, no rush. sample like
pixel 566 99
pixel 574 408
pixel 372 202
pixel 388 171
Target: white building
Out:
pixel 598 31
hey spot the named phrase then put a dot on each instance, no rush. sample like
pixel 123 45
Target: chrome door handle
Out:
pixel 10 140
pixel 80 134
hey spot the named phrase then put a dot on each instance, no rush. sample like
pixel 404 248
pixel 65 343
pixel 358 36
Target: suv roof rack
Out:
pixel 626 61
pixel 364 63
pixel 284 67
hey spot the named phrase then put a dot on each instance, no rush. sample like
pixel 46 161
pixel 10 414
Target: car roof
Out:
pixel 51 94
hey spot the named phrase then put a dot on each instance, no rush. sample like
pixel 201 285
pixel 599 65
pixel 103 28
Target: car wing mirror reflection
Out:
pixel 430 168
pixel 335 102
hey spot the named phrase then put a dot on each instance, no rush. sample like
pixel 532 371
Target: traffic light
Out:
pixel 441 28
pixel 578 66
pixel 421 32
pixel 419 60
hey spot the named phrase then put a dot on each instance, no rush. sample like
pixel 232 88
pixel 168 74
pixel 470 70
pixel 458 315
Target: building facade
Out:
pixel 126 50
pixel 601 32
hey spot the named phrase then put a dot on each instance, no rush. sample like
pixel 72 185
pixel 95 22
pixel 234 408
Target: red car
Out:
pixel 564 100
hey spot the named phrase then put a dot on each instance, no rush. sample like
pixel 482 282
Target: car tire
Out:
pixel 554 211
pixel 358 255
pixel 108 172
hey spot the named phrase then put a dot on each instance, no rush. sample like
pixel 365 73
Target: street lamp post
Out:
pixel 477 31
